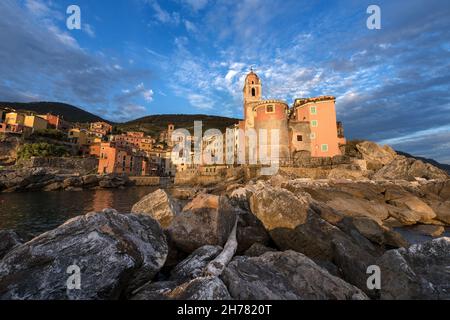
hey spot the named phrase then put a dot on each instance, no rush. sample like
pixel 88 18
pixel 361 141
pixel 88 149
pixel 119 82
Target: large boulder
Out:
pixel 358 207
pixel 159 205
pixel 284 276
pixel 376 156
pixel 8 240
pixel 202 288
pixel 403 168
pixel 279 208
pixel 250 230
pixel 442 210
pixel 194 266
pixel 418 272
pixel 115 254
pixel 206 220
pixel 412 209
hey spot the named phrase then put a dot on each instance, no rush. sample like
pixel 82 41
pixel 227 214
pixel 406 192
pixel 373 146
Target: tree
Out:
pixel 42 149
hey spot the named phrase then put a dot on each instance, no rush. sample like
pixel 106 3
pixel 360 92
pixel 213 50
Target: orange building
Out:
pixel 115 159
pixel 57 122
pixel 101 127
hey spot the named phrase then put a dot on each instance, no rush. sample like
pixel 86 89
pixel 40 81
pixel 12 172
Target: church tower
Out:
pixel 252 95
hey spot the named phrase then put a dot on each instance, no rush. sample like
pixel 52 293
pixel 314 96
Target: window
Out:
pixel 324 148
pixel 299 137
pixel 313 135
pixel 270 109
pixel 313 110
pixel 314 123
pixel 253 92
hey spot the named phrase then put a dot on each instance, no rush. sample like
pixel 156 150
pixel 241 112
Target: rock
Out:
pixel 194 265
pixel 115 253
pixel 392 223
pixel 403 168
pixel 74 189
pixel 207 220
pixel 154 291
pixel 8 241
pixel 429 230
pixel 442 210
pixel 258 249
pixel 369 229
pixel 417 210
pixel 241 197
pixel 284 276
pixel 25 179
pixel 376 156
pixel 113 181
pixel 160 206
pixel 90 180
pixel 55 186
pixel 73 182
pixel 250 231
pixel 313 238
pixel 183 193
pixel 419 272
pixel 352 261
pixel 203 288
pixel 279 208
pixel 357 207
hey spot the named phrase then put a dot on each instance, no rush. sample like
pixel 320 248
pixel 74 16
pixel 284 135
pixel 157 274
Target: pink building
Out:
pixel 320 112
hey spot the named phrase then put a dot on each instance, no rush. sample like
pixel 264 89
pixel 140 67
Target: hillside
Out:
pixel 152 125
pixel 442 166
pixel 67 111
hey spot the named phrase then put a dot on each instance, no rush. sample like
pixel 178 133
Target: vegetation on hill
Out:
pixel 153 125
pixel 42 149
pixel 67 111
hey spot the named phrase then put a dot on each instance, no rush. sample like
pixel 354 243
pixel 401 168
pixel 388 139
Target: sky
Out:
pixel 133 58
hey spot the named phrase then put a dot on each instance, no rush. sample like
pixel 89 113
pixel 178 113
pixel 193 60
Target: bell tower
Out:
pixel 252 95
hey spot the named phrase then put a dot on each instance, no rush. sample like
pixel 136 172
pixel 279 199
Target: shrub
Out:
pixel 50 133
pixel 43 150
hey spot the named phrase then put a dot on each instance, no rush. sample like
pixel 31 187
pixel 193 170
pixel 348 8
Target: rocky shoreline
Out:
pixel 277 238
pixel 44 179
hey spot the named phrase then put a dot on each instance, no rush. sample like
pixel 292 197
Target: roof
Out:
pixel 302 101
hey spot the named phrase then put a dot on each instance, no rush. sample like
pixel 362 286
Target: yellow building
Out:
pixel 35 122
pixel 83 137
pixel 14 118
pixel 78 136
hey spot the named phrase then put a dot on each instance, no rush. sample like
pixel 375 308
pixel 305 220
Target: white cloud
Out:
pixel 197 5
pixel 199 101
pixel 190 27
pixel 162 15
pixel 89 30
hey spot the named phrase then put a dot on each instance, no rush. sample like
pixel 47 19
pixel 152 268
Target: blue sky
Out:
pixel 139 57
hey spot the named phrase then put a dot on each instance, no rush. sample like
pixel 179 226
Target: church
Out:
pixel 307 128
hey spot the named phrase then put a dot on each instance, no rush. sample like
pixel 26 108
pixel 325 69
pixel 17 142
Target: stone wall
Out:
pixel 63 165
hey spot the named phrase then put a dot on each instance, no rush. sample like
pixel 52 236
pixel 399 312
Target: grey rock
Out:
pixel 194 265
pixel 8 241
pixel 284 276
pixel 203 288
pixel 115 253
pixel 418 272
pixel 258 249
